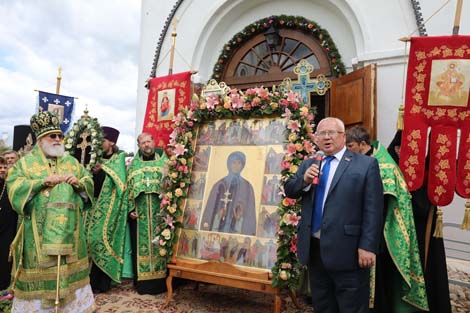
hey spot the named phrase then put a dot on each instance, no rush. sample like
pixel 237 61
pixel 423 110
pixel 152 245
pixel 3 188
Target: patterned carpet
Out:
pixel 186 299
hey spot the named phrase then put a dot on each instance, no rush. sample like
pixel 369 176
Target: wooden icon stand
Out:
pixel 224 274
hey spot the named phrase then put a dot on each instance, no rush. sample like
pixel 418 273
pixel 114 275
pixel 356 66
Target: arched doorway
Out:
pixel 247 60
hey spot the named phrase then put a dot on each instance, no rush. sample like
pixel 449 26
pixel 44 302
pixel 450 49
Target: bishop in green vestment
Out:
pixel 144 183
pixel 49 190
pixel 106 222
pixel 398 278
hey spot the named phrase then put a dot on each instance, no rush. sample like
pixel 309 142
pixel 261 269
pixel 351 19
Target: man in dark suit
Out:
pixel 339 232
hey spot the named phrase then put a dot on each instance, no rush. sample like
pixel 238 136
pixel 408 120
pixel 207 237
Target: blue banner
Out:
pixel 62 106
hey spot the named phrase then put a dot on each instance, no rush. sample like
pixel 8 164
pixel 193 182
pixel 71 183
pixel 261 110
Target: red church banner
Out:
pixel 167 96
pixel 437 100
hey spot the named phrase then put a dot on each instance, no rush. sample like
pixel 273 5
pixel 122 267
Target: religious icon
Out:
pixel 230 212
pixel 231 206
pixel 166 104
pixel 449 83
pixel 57 110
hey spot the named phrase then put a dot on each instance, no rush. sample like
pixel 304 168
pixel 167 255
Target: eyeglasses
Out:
pixel 54 136
pixel 330 133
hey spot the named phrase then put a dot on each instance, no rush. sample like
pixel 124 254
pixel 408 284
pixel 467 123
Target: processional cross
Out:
pixel 304 85
pixel 83 145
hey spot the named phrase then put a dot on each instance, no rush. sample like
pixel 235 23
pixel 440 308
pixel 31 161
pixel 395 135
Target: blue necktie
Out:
pixel 320 194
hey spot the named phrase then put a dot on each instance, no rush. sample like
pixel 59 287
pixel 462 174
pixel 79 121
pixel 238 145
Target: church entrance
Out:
pixel 266 52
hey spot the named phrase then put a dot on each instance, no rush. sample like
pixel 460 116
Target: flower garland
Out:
pixel 282 21
pixel 91 126
pixel 253 103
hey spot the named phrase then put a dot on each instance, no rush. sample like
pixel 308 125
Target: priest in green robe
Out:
pixel 106 222
pixel 144 183
pixel 49 190
pixel 398 278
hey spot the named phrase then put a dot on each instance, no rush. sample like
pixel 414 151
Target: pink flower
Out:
pixel 194 105
pixel 287 114
pixel 293 125
pixel 308 146
pixel 293 244
pixel 256 101
pixel 292 96
pixel 168 220
pixel 250 92
pixel 237 101
pixel 212 101
pixel 291 148
pixel 263 93
pixel 285 164
pixel 164 202
pixel 179 149
pixel 289 201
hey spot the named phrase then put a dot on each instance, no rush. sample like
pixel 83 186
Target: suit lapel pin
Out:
pixel 347 159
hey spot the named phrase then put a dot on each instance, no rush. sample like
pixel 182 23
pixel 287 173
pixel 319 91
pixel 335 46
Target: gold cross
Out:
pixel 61 219
pixel 83 146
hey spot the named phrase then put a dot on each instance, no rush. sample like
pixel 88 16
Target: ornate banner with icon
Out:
pixel 167 96
pixel 61 105
pixel 437 98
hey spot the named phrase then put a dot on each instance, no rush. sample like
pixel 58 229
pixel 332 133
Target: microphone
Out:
pixel 317 160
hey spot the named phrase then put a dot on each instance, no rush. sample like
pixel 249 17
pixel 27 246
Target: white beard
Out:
pixel 54 150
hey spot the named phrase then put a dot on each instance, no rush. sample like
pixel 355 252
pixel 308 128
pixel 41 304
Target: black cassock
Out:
pixel 8 225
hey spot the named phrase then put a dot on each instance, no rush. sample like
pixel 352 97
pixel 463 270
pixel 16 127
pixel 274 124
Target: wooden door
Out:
pixel 354 99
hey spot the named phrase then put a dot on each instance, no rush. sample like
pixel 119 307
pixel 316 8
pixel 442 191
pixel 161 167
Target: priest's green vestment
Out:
pixel 106 222
pixel 409 290
pixel 144 185
pixel 50 225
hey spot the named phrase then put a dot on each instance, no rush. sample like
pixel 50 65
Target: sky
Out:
pixel 95 42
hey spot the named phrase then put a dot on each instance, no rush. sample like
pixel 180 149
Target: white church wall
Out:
pixel 365 31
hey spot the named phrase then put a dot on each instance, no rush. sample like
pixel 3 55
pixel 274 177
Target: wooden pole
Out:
pixel 57 287
pixel 59 78
pixel 173 43
pixel 458 13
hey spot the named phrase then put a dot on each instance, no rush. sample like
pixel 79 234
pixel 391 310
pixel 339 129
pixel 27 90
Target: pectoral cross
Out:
pixel 147 181
pixel 226 199
pixel 83 146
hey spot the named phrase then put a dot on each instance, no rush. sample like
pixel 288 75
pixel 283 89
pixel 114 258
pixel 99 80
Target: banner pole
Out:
pixel 59 78
pixel 173 44
pixel 458 13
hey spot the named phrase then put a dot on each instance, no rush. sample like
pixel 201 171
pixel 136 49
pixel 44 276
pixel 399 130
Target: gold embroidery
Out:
pixel 413 160
pixel 443 150
pixel 436 51
pixel 446 52
pixel 420 55
pixel 105 228
pixel 403 229
pixel 440 190
pixel 441 175
pixel 444 164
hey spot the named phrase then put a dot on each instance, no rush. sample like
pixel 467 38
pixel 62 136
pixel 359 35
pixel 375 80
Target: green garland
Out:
pixel 282 21
pixel 253 103
pixel 91 126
